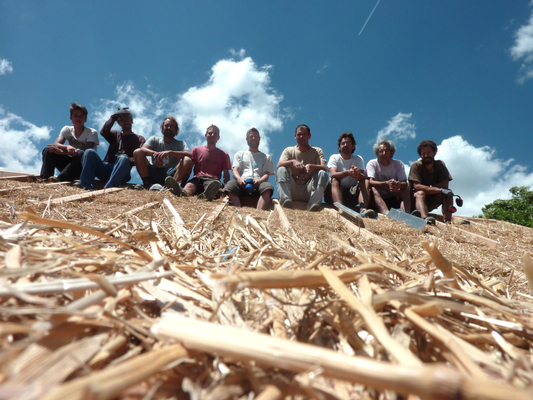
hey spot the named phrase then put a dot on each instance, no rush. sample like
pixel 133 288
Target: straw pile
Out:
pixel 142 295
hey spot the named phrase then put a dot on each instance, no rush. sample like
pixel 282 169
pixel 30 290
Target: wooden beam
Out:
pixel 76 197
pixel 489 242
pixel 214 215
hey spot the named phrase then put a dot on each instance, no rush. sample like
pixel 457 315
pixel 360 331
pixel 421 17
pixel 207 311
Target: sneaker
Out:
pixel 287 204
pixel 138 187
pixel 416 213
pixel 315 207
pixel 210 191
pixel 79 186
pixel 430 221
pixel 32 178
pixel 156 187
pixel 368 213
pixel 174 187
pixel 53 179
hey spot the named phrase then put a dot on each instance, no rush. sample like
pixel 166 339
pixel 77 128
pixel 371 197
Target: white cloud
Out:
pixel 237 96
pixel 400 127
pixel 523 49
pixel 5 67
pixel 17 149
pixel 241 53
pixel 478 177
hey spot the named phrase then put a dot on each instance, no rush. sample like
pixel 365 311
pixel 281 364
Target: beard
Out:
pixel 428 161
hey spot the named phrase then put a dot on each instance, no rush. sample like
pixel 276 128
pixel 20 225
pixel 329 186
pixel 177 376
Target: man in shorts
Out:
pixel 170 157
pixel 209 164
pixel 429 180
pixel 255 165
pixel 387 179
pixel 347 172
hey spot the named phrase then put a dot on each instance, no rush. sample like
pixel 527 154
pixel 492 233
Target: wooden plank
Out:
pixel 214 215
pixel 20 178
pixel 411 220
pixel 4 173
pixel 83 196
pixel 489 242
pixel 12 189
pixel 350 214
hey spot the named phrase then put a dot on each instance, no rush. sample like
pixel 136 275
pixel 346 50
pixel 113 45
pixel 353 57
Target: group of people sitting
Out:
pixel 301 172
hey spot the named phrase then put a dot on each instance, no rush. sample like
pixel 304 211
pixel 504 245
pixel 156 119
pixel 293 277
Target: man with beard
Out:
pixel 209 164
pixel 429 180
pixel 115 169
pixel 302 173
pixel 169 156
pixel 255 165
pixel 387 179
pixel 348 177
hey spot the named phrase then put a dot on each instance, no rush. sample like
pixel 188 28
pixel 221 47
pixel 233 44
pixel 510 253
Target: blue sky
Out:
pixel 458 73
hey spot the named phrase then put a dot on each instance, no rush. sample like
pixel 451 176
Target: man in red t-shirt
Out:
pixel 209 164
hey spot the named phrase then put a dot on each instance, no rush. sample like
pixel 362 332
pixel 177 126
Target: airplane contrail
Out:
pixel 368 19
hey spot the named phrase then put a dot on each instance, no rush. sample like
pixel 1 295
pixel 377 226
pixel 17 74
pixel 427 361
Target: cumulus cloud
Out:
pixel 17 149
pixel 5 67
pixel 400 127
pixel 479 177
pixel 236 97
pixel 523 49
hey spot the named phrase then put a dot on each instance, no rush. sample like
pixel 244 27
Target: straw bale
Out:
pixel 90 291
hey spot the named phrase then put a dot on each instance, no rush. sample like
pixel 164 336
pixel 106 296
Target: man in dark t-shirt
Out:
pixel 116 167
pixel 429 180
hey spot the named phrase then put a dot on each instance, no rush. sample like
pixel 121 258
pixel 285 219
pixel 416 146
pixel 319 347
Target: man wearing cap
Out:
pixel 115 169
pixel 170 157
pixel 209 164
pixel 387 179
pixel 251 170
pixel 429 180
pixel 348 177
pixel 66 152
pixel 301 172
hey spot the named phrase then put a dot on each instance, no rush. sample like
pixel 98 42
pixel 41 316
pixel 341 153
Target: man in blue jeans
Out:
pixel 116 167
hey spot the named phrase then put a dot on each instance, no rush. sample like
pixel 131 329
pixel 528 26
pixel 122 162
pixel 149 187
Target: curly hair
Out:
pixel 348 135
pixel 170 117
pixel 426 143
pixel 385 142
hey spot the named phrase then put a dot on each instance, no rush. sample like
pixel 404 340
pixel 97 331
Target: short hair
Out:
pixel 386 142
pixel 348 135
pixel 75 106
pixel 426 143
pixel 252 130
pixel 213 126
pixel 304 125
pixel 122 112
pixel 170 117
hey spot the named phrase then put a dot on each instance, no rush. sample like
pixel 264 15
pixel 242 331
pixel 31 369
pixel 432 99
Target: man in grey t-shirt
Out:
pixel 170 157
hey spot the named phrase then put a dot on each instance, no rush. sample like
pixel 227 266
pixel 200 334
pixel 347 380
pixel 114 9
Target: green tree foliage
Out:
pixel 518 209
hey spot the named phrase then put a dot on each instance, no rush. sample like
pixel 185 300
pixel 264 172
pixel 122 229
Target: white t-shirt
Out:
pixel 88 135
pixel 253 165
pixel 336 161
pixel 395 170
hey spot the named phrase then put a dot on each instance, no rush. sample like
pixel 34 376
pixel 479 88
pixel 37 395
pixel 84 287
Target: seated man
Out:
pixel 348 177
pixel 209 163
pixel 387 179
pixel 116 167
pixel 67 157
pixel 251 164
pixel 429 180
pixel 170 157
pixel 301 174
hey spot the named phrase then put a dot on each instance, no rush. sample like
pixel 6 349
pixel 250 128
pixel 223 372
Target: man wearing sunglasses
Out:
pixel 429 180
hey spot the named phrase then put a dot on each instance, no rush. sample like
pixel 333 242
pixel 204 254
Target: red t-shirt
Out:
pixel 210 162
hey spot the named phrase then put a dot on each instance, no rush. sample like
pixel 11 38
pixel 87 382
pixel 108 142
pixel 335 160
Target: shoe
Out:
pixel 79 186
pixel 210 191
pixel 174 187
pixel 138 187
pixel 156 187
pixel 287 204
pixel 416 213
pixel 53 179
pixel 315 207
pixel 33 179
pixel 430 221
pixel 368 213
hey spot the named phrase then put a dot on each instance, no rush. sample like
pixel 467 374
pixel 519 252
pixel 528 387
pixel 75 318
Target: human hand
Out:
pixel 299 166
pixel 72 151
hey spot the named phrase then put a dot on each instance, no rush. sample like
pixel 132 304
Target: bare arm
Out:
pixel 433 189
pixel 353 172
pixel 226 176
pixel 237 176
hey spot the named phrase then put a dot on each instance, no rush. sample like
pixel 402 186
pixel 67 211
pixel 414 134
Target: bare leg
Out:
pixel 234 199
pixel 445 213
pixel 363 195
pixel 183 169
pixel 264 200
pixel 405 200
pixel 190 189
pixel 336 191
pixel 141 163
pixel 380 203
pixel 420 201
